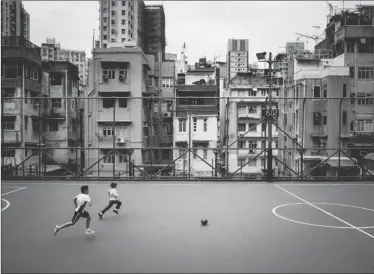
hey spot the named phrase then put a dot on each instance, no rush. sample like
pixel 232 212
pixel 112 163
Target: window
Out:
pixel 364 126
pixel 9 153
pixel 205 154
pixel 361 100
pixel 123 31
pixel 26 122
pixel 344 90
pixel 242 110
pixel 108 131
pixel 124 23
pixel 324 118
pixel 241 144
pixel 122 102
pixel 350 47
pixel 113 31
pixel 182 125
pixel 56 103
pixel 108 103
pixel 252 163
pixel 325 91
pixel 252 144
pixel 123 3
pixel 167 82
pixel 169 129
pixel 352 72
pixel 123 12
pixel 344 117
pixel 252 127
pixel 109 158
pixel 317 118
pixel 366 73
pixel 252 93
pixel 113 22
pixel 205 125
pixel 10 72
pixel 366 48
pixel 241 162
pixel 53 126
pixel 241 127
pixel 252 109
pixel 194 124
pixel 8 125
pixel 264 92
pixel 110 73
pixel 123 74
pixel 317 92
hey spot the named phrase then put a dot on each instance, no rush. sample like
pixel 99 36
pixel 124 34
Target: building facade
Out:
pixel 245 137
pixel 121 23
pixel 15 20
pixel 237 58
pixel 196 122
pixel 121 124
pixel 52 51
pixel 21 77
pixel 154 31
pixel 341 66
pixel 62 118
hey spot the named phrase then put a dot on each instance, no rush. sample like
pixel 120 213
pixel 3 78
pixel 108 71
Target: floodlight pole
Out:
pixel 270 126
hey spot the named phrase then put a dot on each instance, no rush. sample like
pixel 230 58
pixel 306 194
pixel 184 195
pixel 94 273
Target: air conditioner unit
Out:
pixel 363 152
pixel 167 114
pixel 105 77
pixel 251 151
pixel 121 77
pixel 120 140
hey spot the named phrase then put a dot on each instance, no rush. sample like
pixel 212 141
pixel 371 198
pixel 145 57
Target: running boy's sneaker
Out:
pixel 100 215
pixel 89 231
pixel 56 229
pixel 115 211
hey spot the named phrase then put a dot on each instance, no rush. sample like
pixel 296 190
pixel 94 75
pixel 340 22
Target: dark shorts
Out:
pixel 77 215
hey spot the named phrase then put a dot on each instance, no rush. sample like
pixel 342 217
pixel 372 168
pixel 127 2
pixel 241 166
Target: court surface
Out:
pixel 252 228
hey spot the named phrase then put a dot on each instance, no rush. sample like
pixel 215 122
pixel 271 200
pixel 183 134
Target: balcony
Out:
pixel 11 107
pixel 354 32
pixel 11 137
pixel 361 135
pixel 167 139
pixel 56 113
pixel 318 54
pixel 255 115
pixel 18 46
pixel 121 114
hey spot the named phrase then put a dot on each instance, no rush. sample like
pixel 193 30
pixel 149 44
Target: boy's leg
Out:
pixel 75 218
pixel 107 208
pixel 117 207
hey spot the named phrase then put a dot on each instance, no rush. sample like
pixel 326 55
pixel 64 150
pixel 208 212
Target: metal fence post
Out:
pixel 340 133
pixel 113 156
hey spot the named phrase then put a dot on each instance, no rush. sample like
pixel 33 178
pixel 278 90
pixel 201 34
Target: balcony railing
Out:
pixel 317 54
pixel 11 136
pixel 19 41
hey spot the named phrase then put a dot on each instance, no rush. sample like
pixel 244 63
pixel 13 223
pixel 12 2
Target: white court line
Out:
pixel 130 183
pixel 326 184
pixel 7 204
pixel 21 188
pixel 324 211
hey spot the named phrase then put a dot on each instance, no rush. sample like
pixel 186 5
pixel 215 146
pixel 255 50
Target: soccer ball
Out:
pixel 204 221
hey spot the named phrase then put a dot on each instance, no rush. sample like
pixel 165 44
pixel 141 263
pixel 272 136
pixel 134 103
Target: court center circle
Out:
pixel 317 225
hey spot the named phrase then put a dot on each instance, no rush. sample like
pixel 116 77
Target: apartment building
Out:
pixel 52 51
pixel 341 66
pixel 122 124
pixel 21 76
pixel 196 122
pixel 15 20
pixel 244 139
pixel 62 117
pixel 121 23
pixel 154 31
pixel 237 58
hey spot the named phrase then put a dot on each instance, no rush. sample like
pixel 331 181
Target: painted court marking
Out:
pixel 324 211
pixel 317 225
pixel 9 192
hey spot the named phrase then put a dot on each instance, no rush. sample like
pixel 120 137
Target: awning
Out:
pixel 109 121
pixel 344 162
pixel 369 157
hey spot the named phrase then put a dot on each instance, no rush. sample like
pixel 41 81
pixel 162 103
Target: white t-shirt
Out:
pixel 82 200
pixel 113 194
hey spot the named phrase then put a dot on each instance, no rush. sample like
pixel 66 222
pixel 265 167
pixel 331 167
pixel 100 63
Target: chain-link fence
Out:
pixel 187 138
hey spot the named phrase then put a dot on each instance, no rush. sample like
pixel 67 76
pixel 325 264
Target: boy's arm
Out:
pixel 89 201
pixel 75 201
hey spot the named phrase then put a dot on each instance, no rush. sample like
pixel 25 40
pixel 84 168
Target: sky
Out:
pixel 205 26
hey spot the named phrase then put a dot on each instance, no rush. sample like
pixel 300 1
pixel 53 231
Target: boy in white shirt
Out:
pixel 80 202
pixel 113 200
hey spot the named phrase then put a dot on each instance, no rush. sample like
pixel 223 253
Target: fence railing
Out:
pixel 129 141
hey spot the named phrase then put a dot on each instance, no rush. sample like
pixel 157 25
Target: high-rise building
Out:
pixel 52 51
pixel 15 20
pixel 244 137
pixel 154 31
pixel 341 66
pixel 121 23
pixel 237 57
